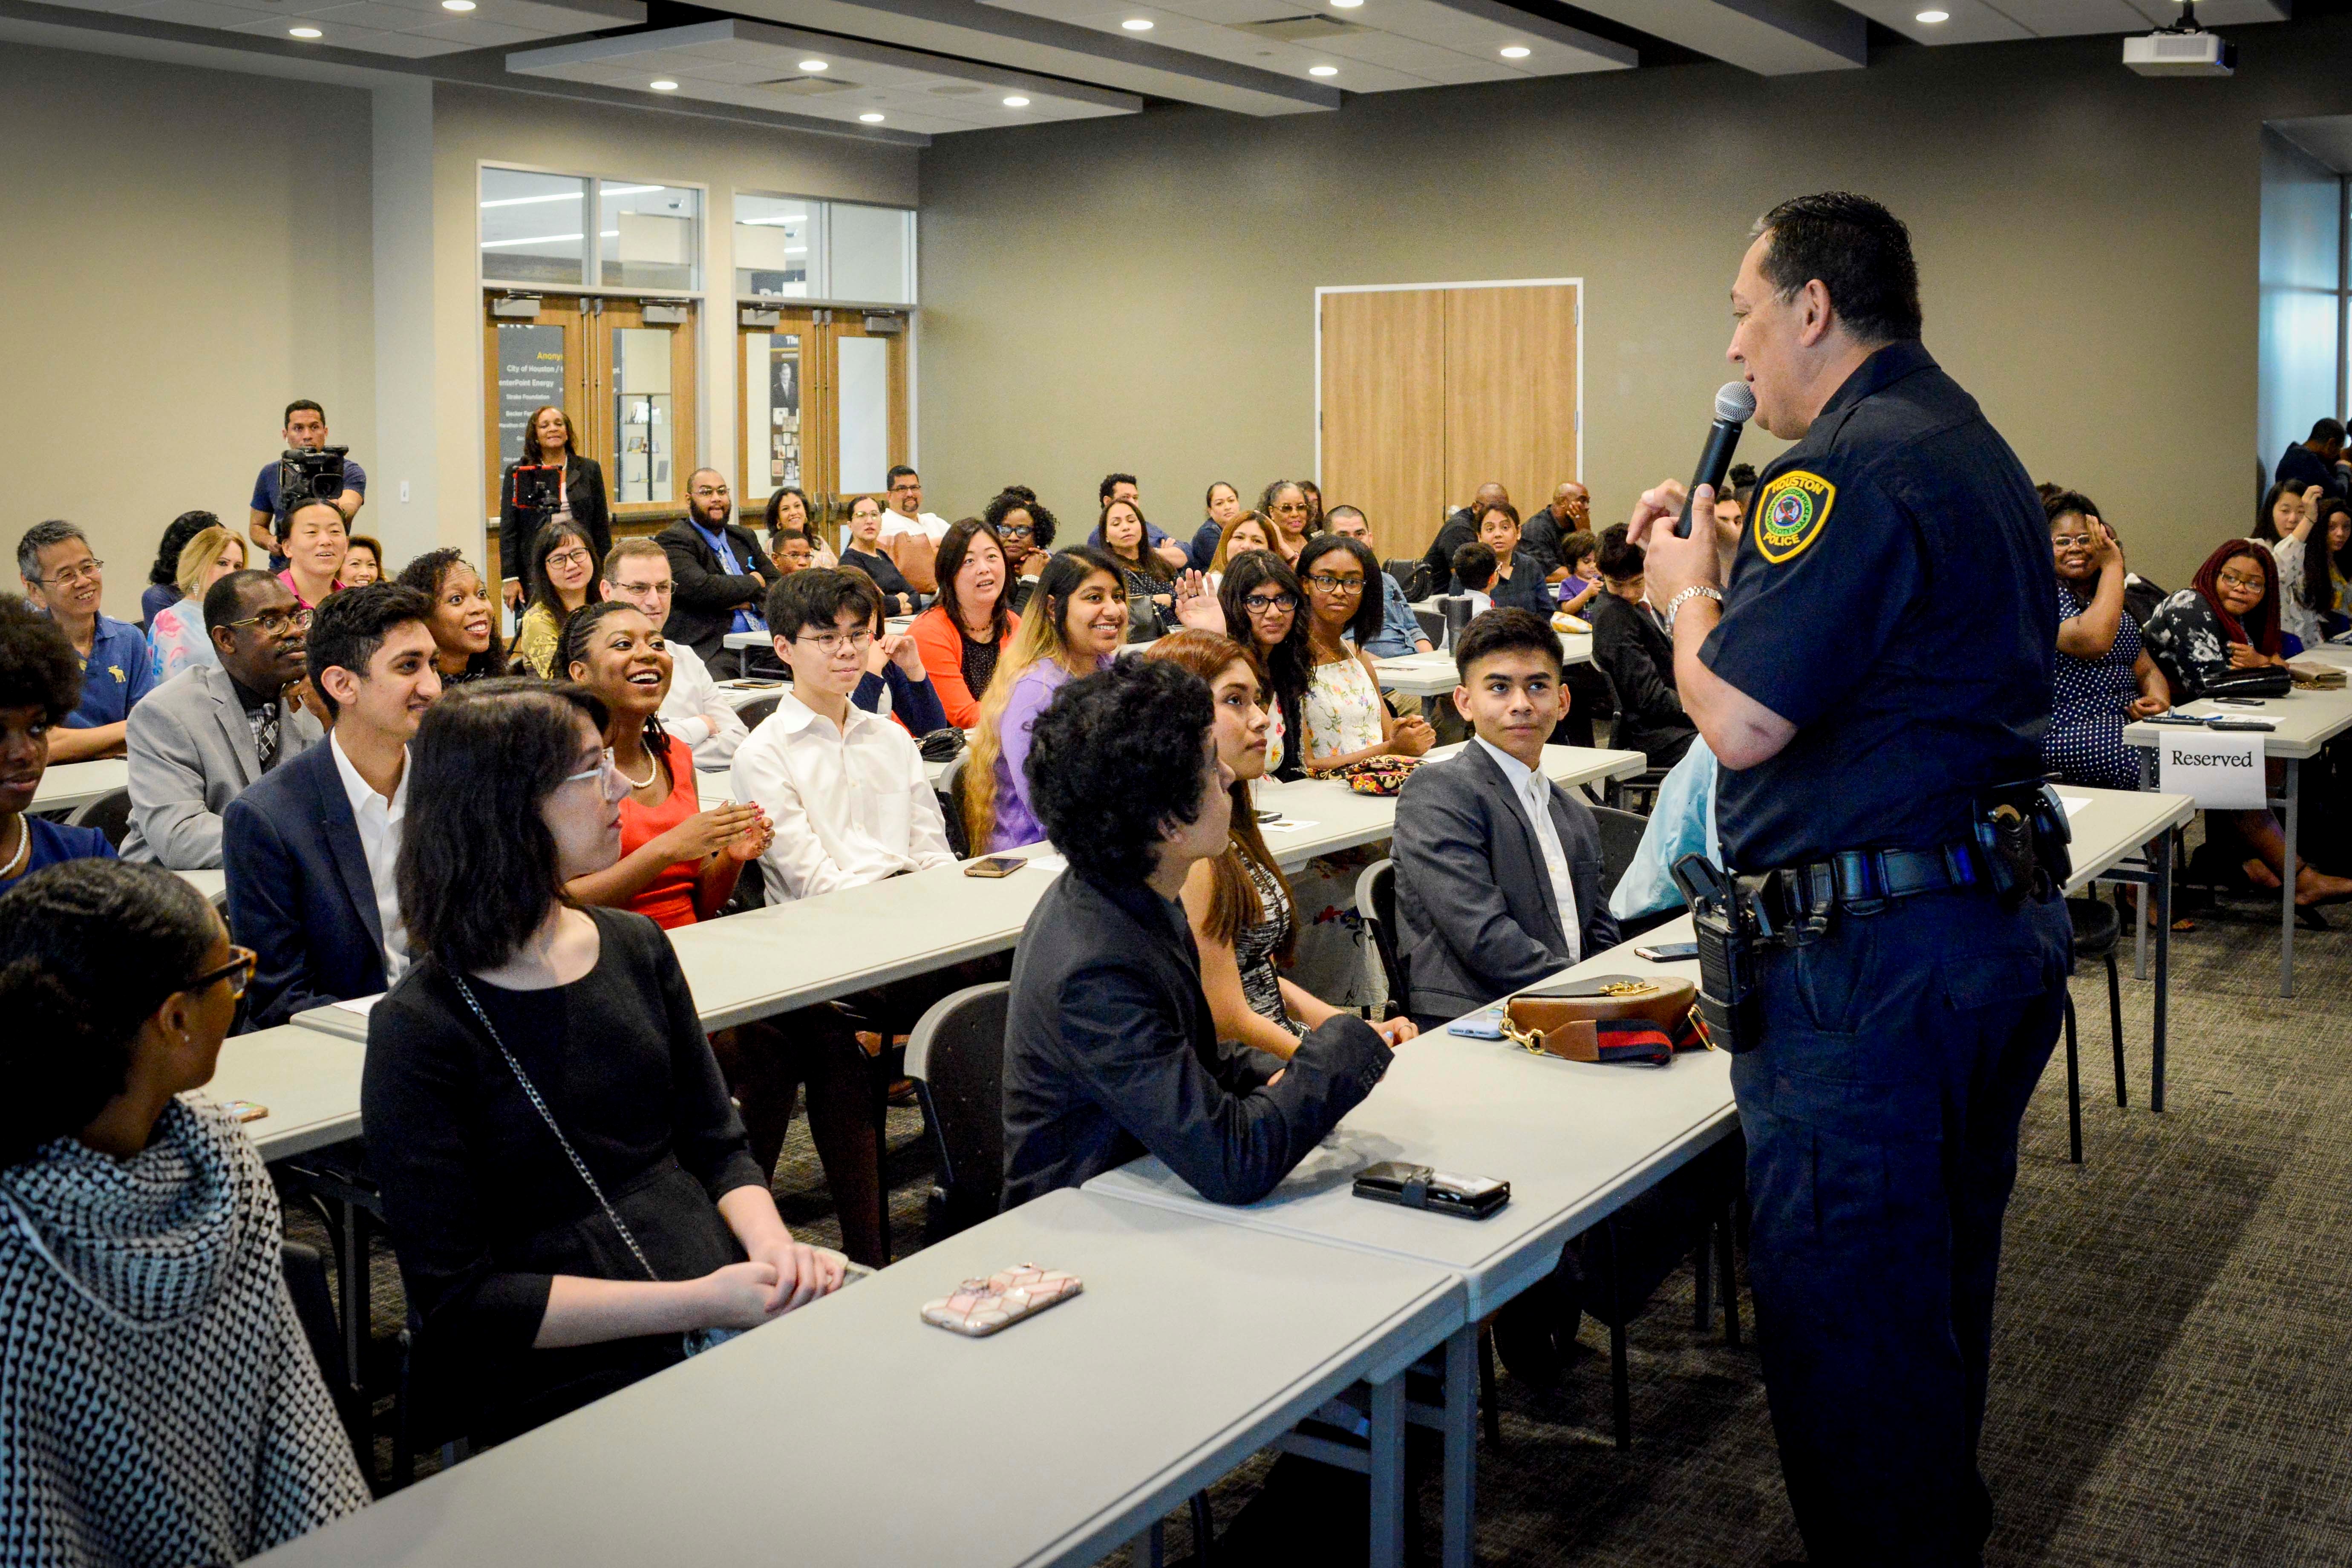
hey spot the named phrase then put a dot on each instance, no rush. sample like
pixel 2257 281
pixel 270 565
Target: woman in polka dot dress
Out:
pixel 2103 678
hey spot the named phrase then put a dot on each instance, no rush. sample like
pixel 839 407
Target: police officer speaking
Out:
pixel 1889 948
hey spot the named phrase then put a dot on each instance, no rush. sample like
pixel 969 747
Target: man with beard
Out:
pixel 722 574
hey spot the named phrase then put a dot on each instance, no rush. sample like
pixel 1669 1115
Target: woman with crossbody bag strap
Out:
pixel 566 1183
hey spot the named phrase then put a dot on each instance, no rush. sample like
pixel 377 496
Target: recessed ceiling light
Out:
pixel 815 66
pixel 1347 5
pixel 664 85
pixel 457 5
pixel 1137 24
pixel 1017 103
pixel 1932 17
pixel 304 32
pixel 1516 51
pixel 1322 70
pixel 871 119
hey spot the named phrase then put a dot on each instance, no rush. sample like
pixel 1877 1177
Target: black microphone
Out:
pixel 1734 405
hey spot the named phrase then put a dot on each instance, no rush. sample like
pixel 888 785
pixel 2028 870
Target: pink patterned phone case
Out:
pixel 981 1307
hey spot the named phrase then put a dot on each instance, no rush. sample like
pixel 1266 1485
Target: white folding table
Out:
pixel 64 785
pixel 851 1432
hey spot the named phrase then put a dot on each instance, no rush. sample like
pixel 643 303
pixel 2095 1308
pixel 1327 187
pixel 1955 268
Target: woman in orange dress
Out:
pixel 678 862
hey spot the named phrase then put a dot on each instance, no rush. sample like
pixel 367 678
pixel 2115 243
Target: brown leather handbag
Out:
pixel 1609 1018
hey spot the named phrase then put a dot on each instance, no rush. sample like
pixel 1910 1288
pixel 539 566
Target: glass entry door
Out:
pixel 824 405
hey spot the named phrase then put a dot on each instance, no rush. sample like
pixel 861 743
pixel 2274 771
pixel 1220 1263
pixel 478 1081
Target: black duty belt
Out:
pixel 1862 881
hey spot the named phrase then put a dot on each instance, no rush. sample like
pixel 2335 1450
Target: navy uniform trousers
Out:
pixel 1882 1112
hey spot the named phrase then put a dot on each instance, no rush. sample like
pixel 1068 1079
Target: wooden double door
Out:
pixel 1428 393
pixel 823 405
pixel 622 370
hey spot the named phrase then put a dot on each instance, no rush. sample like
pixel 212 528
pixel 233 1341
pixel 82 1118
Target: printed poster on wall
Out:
pixel 530 376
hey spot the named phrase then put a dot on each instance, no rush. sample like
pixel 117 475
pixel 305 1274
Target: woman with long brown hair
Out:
pixel 1239 904
pixel 549 442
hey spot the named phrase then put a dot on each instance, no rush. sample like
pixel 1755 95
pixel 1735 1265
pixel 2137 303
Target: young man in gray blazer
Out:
pixel 200 737
pixel 1497 869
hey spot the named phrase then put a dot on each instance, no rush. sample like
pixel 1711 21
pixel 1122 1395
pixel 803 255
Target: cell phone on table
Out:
pixel 994 866
pixel 1667 951
pixel 1270 815
pixel 2237 701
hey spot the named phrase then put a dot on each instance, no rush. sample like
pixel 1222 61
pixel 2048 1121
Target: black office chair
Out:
pixel 755 711
pixel 949 790
pixel 956 1057
pixel 110 813
pixel 305 1269
pixel 1412 575
pixel 1621 840
pixel 2098 931
pixel 1376 903
pixel 1638 794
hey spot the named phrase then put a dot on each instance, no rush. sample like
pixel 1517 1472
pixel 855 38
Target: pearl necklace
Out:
pixel 645 783
pixel 24 851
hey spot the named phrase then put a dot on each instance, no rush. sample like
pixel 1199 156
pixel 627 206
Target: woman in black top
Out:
pixel 548 442
pixel 526 1014
pixel 866 553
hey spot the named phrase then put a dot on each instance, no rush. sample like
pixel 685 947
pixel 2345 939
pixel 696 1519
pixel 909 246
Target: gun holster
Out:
pixel 1731 933
pixel 2023 830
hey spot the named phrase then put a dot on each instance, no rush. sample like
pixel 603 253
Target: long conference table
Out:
pixel 1217 1328
pixel 2305 722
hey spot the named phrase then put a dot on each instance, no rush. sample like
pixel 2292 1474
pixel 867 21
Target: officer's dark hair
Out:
pixel 226 600
pixel 1621 560
pixel 1506 630
pixel 349 629
pixel 1116 757
pixel 2325 432
pixel 1859 250
pixel 1473 565
pixel 815 597
pixel 38 666
pixel 88 950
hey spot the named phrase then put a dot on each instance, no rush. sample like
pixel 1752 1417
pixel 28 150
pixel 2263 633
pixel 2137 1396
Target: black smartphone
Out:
pixel 2237 701
pixel 1668 951
pixel 994 866
pixel 1269 817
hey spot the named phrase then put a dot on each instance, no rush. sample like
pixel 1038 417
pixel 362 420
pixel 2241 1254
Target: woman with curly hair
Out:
pixel 1283 504
pixel 466 642
pixel 1025 529
pixel 678 863
pixel 40 682
pixel 163 577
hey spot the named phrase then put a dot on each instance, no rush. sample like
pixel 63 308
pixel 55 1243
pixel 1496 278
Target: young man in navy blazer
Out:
pixel 1495 895
pixel 309 848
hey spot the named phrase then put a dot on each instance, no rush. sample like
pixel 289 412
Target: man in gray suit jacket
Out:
pixel 211 731
pixel 1494 894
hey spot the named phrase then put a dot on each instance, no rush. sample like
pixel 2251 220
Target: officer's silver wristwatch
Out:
pixel 1675 605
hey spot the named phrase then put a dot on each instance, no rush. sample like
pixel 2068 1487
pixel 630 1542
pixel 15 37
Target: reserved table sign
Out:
pixel 2218 771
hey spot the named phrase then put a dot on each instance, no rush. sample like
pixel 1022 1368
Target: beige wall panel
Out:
pixel 1511 391
pixel 1139 293
pixel 183 252
pixel 1384 411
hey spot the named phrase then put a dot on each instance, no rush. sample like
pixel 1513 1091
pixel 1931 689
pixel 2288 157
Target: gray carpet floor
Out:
pixel 2172 1378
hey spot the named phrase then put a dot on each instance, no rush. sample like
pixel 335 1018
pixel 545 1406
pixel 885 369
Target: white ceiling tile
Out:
pixel 471 32
pixel 199 13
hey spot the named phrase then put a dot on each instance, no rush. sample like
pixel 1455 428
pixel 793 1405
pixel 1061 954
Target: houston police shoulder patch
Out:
pixel 1790 514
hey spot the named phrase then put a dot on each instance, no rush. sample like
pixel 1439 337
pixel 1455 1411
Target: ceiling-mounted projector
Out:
pixel 2182 49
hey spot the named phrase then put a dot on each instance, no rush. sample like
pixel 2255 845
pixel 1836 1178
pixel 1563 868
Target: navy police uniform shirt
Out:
pixel 1893 598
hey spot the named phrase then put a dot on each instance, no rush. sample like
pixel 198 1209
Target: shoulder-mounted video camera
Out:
pixel 306 474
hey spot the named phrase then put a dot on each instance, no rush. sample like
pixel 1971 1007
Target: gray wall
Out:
pixel 1137 293
pixel 186 251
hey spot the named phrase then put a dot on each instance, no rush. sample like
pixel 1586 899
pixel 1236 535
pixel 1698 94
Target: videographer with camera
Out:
pixel 551 483
pixel 310 469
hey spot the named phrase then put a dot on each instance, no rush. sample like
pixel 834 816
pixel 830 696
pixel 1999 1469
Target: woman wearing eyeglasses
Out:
pixel 2229 619
pixel 159 1403
pixel 1346 719
pixel 565 1180
pixel 563 577
pixel 1026 531
pixel 678 863
pixel 1261 598
pixel 1283 504
pixel 2103 679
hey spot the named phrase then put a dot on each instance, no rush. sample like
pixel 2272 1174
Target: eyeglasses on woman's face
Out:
pixel 238 972
pixel 572 560
pixel 1016 531
pixel 1338 587
pixel 1271 603
pixel 614 784
pixel 2249 585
